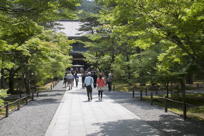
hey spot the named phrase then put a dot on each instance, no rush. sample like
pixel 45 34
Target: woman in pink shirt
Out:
pixel 100 85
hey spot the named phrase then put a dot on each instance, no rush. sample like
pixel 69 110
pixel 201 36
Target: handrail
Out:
pixel 176 101
pixel 166 99
pixel 17 100
pixel 171 100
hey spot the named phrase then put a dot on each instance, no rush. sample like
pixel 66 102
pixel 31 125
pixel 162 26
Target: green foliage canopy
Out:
pixel 149 38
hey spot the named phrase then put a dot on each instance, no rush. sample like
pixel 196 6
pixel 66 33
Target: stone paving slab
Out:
pixel 33 119
pixel 78 117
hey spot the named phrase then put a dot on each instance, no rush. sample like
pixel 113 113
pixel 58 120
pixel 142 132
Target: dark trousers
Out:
pixel 76 81
pixel 109 86
pixel 83 84
pixel 89 92
pixel 100 94
pixel 94 85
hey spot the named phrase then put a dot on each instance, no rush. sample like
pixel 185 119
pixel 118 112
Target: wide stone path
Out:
pixel 78 117
pixel 60 113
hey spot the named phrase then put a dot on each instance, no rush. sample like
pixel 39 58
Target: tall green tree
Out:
pixel 163 36
pixel 27 49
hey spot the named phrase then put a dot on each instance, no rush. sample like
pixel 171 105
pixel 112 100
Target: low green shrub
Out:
pixel 3 94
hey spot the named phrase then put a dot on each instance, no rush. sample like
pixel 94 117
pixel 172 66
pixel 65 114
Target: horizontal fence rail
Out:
pixel 154 90
pixel 17 103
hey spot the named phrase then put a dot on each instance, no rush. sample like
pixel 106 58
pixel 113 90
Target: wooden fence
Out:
pixel 22 100
pixel 166 101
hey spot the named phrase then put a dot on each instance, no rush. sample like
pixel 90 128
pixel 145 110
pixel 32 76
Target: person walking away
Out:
pixel 83 78
pixel 88 82
pixel 76 77
pixel 65 80
pixel 100 86
pixel 70 80
pixel 95 78
pixel 109 81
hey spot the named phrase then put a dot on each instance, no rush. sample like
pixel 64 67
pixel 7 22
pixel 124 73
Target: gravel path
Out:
pixel 34 118
pixel 169 123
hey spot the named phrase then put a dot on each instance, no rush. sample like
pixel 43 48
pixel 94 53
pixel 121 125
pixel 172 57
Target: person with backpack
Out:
pixel 100 86
pixel 88 82
pixel 70 80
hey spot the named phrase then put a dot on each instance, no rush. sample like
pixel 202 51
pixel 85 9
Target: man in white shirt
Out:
pixel 89 83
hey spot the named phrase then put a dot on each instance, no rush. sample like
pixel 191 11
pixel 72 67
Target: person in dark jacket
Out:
pixel 76 77
pixel 83 78
pixel 109 81
pixel 95 78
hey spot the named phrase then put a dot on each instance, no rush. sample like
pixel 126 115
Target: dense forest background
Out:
pixel 31 54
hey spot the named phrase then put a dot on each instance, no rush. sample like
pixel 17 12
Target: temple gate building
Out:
pixel 71 29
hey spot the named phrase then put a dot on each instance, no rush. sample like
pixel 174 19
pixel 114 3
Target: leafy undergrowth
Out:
pixel 45 87
pixel 3 94
pixel 121 86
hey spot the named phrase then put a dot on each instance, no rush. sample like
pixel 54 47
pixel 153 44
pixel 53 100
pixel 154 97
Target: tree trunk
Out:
pixel 167 89
pixel 189 78
pixel 183 88
pixel 27 83
pixel 128 67
pixel 2 78
pixel 11 81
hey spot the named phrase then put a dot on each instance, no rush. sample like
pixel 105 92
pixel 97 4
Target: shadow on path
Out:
pixel 169 123
pixel 125 127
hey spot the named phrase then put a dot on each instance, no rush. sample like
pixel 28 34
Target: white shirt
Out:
pixel 88 81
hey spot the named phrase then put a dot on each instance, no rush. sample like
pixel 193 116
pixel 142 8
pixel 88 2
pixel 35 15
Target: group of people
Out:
pixel 91 80
pixel 69 80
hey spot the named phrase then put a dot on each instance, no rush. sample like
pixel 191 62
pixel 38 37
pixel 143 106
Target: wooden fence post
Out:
pixel 133 93
pixel 146 91
pixel 140 94
pixel 51 86
pixel 32 96
pixel 197 85
pixel 166 104
pixel 7 109
pixel 151 98
pixel 26 100
pixel 113 87
pixel 18 105
pixel 184 111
